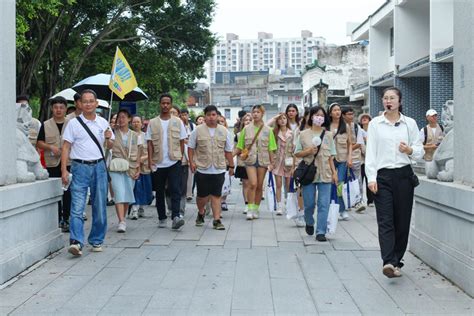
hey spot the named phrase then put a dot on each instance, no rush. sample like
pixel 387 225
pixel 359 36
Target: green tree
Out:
pixel 60 42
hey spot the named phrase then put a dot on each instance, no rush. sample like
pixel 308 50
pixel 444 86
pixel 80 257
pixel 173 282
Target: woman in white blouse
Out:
pixel 392 142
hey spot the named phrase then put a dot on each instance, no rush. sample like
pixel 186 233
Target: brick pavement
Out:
pixel 263 267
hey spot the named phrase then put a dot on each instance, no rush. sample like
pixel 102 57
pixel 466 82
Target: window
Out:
pixel 227 114
pixel 391 42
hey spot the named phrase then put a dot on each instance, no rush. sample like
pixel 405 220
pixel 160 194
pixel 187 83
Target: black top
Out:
pixel 41 135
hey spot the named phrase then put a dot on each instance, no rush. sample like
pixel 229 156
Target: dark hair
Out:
pixel 89 91
pixel 184 110
pixel 209 108
pixel 242 113
pixel 292 105
pixel 123 110
pixel 313 111
pixel 70 109
pixel 219 113
pixel 341 128
pixel 58 99
pixel 177 109
pixel 23 97
pixel 77 97
pixel 347 109
pixel 304 119
pixel 136 115
pixel 397 92
pixel 112 115
pixel 166 95
pixel 197 117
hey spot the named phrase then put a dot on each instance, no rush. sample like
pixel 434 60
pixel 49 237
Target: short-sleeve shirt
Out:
pixel 166 162
pixel 272 144
pixel 229 146
pixel 82 145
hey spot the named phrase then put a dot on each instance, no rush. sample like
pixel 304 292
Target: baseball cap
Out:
pixel 431 112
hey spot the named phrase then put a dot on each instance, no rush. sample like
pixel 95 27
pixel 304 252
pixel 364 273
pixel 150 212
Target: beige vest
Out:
pixel 342 149
pixel 240 162
pixel 33 131
pixel 323 172
pixel 210 150
pixel 260 147
pixel 52 136
pixel 174 144
pixel 119 151
pixel 144 166
pixel 431 138
pixel 288 150
pixel 356 153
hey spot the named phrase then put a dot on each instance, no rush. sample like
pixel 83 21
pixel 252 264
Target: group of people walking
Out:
pixel 170 153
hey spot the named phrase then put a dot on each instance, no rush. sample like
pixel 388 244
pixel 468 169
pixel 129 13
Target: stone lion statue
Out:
pixel 442 165
pixel 28 166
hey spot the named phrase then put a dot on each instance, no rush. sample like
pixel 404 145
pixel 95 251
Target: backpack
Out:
pixel 425 131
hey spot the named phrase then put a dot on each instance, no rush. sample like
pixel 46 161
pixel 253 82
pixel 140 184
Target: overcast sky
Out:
pixel 287 18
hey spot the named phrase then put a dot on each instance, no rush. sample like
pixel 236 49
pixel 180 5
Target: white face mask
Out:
pixel 318 120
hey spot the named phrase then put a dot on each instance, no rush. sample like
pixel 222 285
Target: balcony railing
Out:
pixel 444 53
pixel 388 75
pixel 415 64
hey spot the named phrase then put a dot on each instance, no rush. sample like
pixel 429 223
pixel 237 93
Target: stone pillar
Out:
pixel 463 92
pixel 442 227
pixel 7 93
pixel 441 85
pixel 416 97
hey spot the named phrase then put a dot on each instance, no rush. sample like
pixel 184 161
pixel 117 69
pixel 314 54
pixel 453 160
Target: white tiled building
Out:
pixel 278 56
pixel 410 47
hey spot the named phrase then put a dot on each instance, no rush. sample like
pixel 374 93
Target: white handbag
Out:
pixel 333 214
pixel 289 162
pixel 120 164
pixel 292 202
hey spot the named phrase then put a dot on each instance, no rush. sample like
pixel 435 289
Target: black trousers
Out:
pixel 369 194
pixel 64 206
pixel 171 176
pixel 394 203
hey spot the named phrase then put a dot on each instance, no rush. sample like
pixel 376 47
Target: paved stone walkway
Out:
pixel 264 267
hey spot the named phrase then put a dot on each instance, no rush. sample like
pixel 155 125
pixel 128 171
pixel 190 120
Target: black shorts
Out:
pixel 209 184
pixel 241 173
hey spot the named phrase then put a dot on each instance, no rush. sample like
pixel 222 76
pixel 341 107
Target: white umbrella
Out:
pixel 69 93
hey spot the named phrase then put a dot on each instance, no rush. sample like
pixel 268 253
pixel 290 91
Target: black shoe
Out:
pixel 200 220
pixel 309 230
pixel 321 237
pixel 65 227
pixel 110 203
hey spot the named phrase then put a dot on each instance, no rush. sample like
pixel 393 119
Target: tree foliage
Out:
pixel 59 43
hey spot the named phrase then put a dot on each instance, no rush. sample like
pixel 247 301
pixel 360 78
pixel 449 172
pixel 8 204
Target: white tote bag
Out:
pixel 351 191
pixel 270 194
pixel 292 201
pixel 226 187
pixel 333 214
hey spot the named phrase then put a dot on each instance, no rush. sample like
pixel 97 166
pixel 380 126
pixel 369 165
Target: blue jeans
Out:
pixel 84 177
pixel 324 197
pixel 341 168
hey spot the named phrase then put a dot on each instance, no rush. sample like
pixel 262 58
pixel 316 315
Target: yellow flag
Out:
pixel 122 79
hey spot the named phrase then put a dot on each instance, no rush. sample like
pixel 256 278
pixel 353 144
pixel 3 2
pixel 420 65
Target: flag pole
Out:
pixel 112 75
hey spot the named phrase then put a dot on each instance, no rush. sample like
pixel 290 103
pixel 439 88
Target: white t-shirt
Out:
pixel 82 145
pixel 166 162
pixel 229 146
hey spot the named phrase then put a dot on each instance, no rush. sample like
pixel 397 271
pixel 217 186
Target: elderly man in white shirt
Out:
pixel 393 141
pixel 89 172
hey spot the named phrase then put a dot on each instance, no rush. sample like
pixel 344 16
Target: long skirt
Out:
pixel 143 190
pixel 122 185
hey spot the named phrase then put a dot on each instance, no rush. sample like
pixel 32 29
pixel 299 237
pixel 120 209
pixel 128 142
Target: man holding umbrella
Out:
pixel 165 137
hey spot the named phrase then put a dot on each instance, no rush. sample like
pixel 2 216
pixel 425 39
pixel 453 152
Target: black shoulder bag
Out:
pixel 96 141
pixel 304 174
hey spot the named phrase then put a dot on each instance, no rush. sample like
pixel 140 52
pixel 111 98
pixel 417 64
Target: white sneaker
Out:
pixel 344 216
pixel 255 214
pixel 141 212
pixel 279 211
pixel 300 222
pixel 122 227
pixel 359 207
pixel 249 215
pixel 134 214
pixel 246 209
